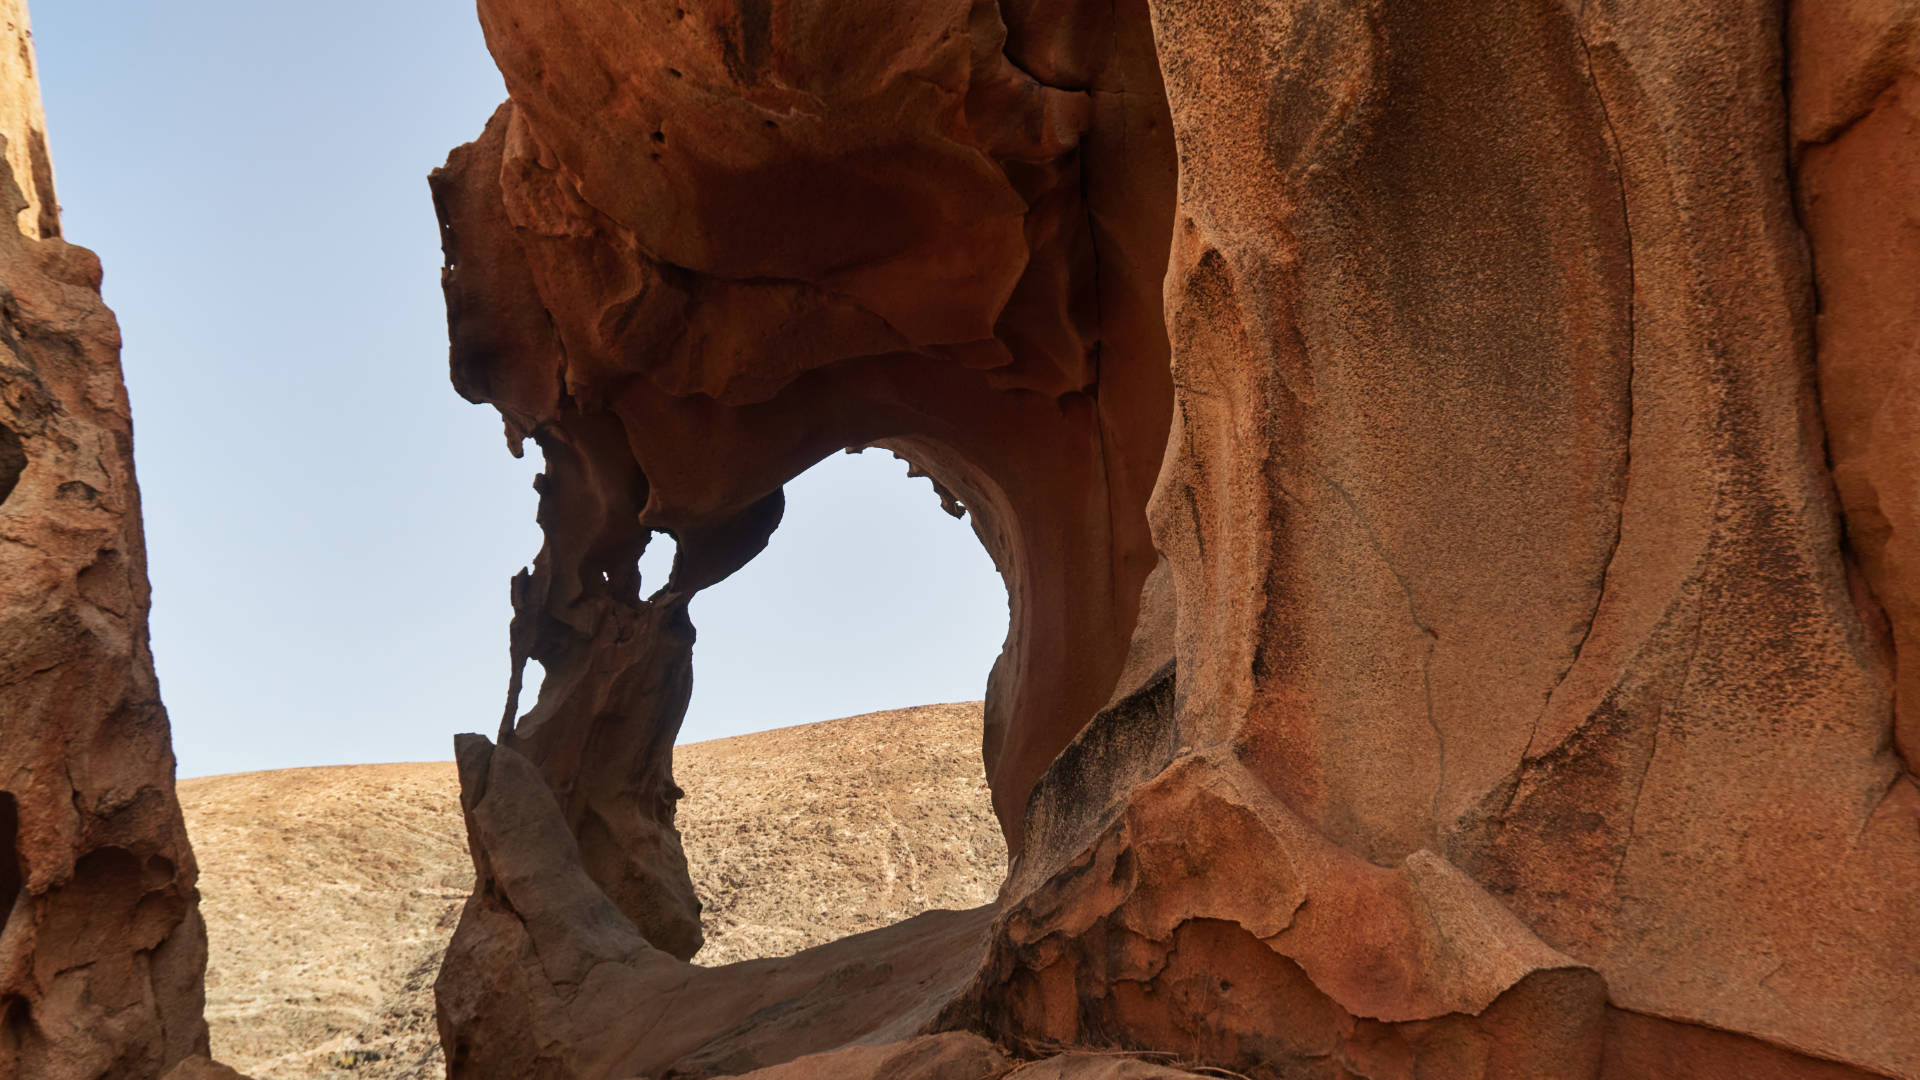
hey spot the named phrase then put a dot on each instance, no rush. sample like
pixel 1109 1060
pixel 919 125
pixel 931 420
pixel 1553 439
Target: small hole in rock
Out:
pixel 532 681
pixel 656 563
pixel 13 461
pixel 12 874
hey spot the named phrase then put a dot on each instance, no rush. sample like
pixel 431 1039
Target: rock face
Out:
pixel 1521 680
pixel 1511 697
pixel 1456 469
pixel 101 948
pixel 1856 143
pixel 911 225
pixel 24 123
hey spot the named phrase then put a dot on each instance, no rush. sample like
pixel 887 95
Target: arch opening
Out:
pixel 863 636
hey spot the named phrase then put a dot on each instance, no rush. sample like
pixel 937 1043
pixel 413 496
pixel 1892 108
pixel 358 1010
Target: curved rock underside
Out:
pixel 1456 469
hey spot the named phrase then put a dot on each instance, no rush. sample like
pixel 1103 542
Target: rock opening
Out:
pixel 874 818
pixel 13 876
pixel 13 461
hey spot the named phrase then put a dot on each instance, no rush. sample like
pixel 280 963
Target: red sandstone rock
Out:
pixel 1503 704
pixel 844 229
pixel 101 945
pixel 202 1068
pixel 1523 556
pixel 589 996
pixel 1856 131
pixel 1096 1066
pixel 948 1056
pixel 1497 692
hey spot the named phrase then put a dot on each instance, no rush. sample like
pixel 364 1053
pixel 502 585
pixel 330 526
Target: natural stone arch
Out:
pixel 989 310
pixel 1490 417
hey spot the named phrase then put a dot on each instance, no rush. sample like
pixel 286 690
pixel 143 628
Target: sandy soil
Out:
pixel 329 893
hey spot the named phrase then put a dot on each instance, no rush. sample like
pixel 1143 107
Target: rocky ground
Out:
pixel 329 893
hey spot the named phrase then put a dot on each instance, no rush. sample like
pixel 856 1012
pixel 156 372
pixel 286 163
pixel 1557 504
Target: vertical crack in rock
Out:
pixel 1431 638
pixel 1626 467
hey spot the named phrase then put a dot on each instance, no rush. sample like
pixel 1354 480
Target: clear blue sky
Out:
pixel 330 528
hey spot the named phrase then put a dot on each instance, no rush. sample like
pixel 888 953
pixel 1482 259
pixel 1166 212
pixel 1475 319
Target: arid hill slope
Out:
pixel 329 893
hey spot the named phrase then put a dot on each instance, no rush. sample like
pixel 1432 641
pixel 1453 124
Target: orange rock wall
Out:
pixel 703 247
pixel 1856 144
pixel 1453 467
pixel 1507 564
pixel 101 946
pixel 1512 698
pixel 24 123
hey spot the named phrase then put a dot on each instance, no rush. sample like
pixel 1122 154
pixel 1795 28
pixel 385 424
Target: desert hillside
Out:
pixel 330 892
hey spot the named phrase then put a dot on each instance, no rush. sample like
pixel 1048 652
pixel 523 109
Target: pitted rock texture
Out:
pixel 1856 141
pixel 1500 529
pixel 1501 693
pixel 101 948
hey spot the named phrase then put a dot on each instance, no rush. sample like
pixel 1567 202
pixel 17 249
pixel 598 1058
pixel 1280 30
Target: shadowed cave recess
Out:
pixel 1451 466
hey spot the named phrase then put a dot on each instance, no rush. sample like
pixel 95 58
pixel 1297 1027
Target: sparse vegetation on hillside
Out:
pixel 330 893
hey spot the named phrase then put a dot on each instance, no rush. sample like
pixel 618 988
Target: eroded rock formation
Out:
pixel 1457 627
pixel 1510 698
pixel 101 946
pixel 1515 632
pixel 1856 145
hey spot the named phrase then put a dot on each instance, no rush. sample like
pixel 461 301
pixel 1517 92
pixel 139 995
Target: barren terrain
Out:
pixel 329 893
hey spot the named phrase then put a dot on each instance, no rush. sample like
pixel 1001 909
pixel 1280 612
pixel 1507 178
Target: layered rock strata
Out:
pixel 101 945
pixel 1510 698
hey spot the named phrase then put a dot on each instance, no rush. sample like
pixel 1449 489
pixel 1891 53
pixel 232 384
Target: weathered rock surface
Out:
pixel 702 248
pixel 200 1067
pixel 1856 141
pixel 929 1057
pixel 539 939
pixel 1506 701
pixel 24 123
pixel 1460 540
pixel 101 949
pixel 901 237
pixel 1513 614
